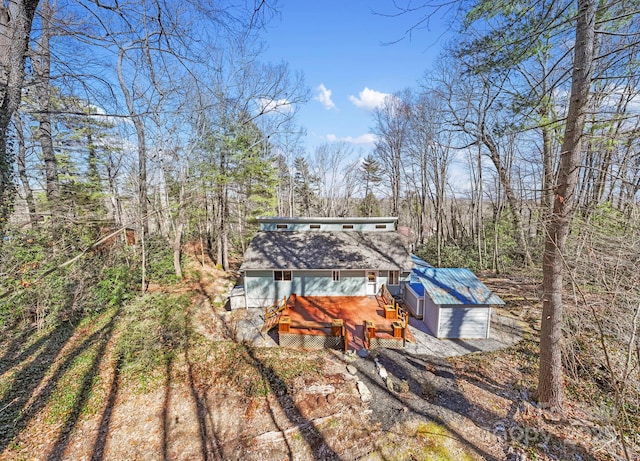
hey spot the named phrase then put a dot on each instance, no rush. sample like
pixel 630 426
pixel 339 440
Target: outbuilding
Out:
pixel 452 302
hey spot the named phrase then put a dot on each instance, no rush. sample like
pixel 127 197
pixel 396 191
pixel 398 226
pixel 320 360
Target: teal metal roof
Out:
pixel 454 286
pixel 417 262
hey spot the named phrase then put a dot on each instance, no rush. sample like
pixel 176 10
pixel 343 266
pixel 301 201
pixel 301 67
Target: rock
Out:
pixel 365 393
pixel 319 389
pixel 350 356
pixel 363 353
pixel 383 373
pixel 351 369
pixel 389 384
pixel 331 399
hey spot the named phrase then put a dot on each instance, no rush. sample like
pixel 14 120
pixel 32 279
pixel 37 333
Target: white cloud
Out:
pixel 368 99
pixel 367 138
pixel 281 106
pixel 324 96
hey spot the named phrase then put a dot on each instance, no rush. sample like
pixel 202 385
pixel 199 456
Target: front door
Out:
pixel 372 282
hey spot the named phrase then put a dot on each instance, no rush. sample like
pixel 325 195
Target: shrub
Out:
pixel 155 328
pixel 160 262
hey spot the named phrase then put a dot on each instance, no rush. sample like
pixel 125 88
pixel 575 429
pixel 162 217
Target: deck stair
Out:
pixel 388 300
pixel 272 314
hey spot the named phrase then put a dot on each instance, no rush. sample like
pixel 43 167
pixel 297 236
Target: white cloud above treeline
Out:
pixel 324 96
pixel 281 106
pixel 367 138
pixel 368 99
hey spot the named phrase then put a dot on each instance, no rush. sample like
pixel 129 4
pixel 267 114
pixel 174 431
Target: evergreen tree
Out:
pixel 305 185
pixel 371 172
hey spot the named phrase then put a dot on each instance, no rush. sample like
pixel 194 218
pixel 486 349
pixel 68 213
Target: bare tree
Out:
pixel 335 168
pixel 22 170
pixel 391 125
pixel 42 75
pixel 16 19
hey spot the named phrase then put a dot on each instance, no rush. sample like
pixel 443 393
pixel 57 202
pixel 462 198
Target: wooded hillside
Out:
pixel 133 132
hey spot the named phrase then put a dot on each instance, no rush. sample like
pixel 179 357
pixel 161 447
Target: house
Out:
pixel 452 302
pixel 323 257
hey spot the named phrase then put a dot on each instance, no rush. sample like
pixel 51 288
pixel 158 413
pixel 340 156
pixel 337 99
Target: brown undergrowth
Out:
pixel 163 378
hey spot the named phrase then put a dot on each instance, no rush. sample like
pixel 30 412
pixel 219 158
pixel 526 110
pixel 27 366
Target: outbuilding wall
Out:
pixel 464 321
pixel 414 302
pixel 457 321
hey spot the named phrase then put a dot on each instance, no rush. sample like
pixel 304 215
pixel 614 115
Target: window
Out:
pixel 314 226
pixel 282 276
pixel 393 277
pixel 347 226
pixel 282 226
pixel 335 275
pixel 381 226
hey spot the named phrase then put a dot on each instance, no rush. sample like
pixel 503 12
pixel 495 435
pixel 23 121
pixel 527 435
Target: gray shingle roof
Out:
pixel 327 250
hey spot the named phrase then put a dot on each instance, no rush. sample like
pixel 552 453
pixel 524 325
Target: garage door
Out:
pixel 464 322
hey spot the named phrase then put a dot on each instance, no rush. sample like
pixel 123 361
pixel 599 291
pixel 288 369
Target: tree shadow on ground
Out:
pixel 20 404
pixel 15 353
pixel 97 453
pixel 434 394
pixel 314 439
pixel 212 444
pixel 103 337
pixel 210 441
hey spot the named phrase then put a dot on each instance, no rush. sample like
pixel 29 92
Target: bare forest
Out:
pixel 140 140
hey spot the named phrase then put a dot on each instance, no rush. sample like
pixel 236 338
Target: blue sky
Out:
pixel 339 46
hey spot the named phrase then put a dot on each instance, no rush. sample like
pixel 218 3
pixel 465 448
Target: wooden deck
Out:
pixel 312 315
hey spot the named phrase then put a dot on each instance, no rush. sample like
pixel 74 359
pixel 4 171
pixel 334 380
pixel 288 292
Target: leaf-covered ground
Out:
pixel 162 378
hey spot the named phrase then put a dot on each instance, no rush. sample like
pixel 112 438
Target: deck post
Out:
pixel 390 312
pixel 284 325
pixel 369 332
pixel 397 329
pixel 336 327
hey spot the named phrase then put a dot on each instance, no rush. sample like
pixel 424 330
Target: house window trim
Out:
pixel 394 276
pixel 283 274
pixel 335 275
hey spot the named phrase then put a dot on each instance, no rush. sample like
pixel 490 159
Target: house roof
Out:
pixel 417 262
pixel 327 251
pixel 454 286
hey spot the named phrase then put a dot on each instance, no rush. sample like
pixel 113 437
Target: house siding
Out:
pixel 321 283
pixel 262 290
pixel 328 227
pixel 328 224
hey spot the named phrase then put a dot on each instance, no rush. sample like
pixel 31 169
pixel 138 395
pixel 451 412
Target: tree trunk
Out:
pixel 16 19
pixel 505 181
pixel 22 171
pixel 550 379
pixel 113 190
pixel 138 124
pixel 42 69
